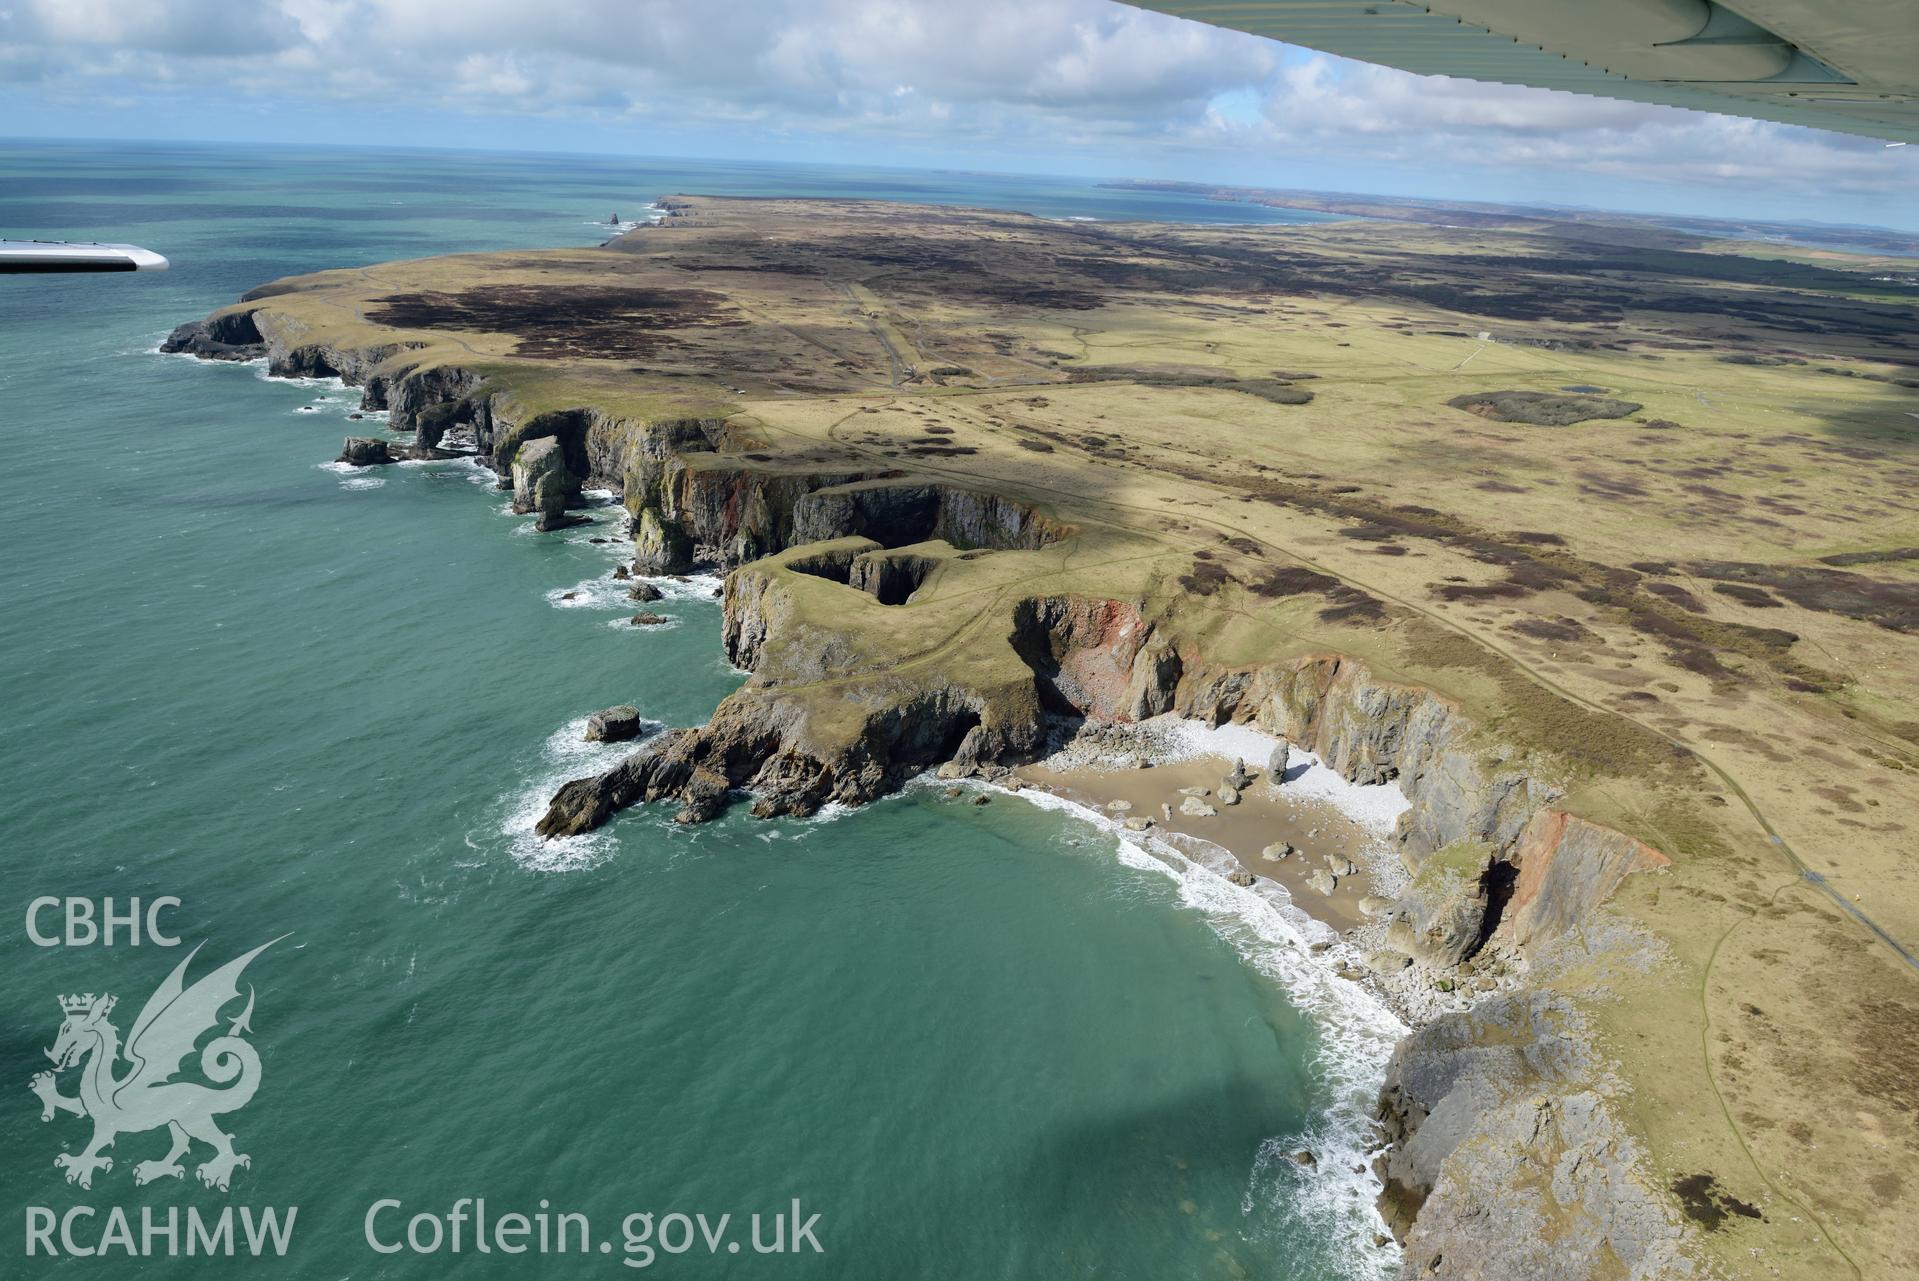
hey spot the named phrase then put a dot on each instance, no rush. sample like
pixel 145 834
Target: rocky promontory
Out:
pixel 976 482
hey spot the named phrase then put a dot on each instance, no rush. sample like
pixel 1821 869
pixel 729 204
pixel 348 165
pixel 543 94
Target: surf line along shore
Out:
pixel 917 580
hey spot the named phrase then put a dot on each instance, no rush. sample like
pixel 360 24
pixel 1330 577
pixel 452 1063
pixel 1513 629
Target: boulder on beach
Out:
pixel 1239 777
pixel 1277 763
pixel 1119 807
pixel 1373 905
pixel 1195 807
pixel 365 451
pixel 1385 962
pixel 1229 796
pixel 1340 865
pixel 614 725
pixel 1138 824
pixel 1276 851
pixel 1240 877
pixel 1165 812
pixel 1322 880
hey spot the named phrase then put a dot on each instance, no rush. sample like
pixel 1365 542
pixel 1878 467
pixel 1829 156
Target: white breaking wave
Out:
pixel 653 214
pixel 1357 1033
pixel 566 755
pixel 352 477
pixel 692 587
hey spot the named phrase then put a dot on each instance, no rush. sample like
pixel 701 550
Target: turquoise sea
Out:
pixel 976 1041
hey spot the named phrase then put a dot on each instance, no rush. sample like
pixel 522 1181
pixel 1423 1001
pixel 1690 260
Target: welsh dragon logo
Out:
pixel 146 1096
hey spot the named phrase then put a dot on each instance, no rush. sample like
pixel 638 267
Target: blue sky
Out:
pixel 1082 87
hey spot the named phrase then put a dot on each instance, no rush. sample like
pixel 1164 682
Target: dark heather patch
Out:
pixel 1536 538
pixel 1293 580
pixel 1279 391
pixel 1207 577
pixel 1550 629
pixel 1889 604
pixel 564 321
pixel 1481 591
pixel 1542 409
pixel 1871 558
pixel 1345 604
pixel 1745 595
pixel 1677 595
pixel 1707 1204
pixel 1603 486
pixel 1352 605
pixel 1683 645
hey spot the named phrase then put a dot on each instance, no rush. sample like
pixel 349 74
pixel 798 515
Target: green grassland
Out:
pixel 1647 606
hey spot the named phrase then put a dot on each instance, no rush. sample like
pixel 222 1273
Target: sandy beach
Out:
pixel 1282 832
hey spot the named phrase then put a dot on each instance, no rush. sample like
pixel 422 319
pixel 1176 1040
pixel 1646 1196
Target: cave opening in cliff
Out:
pixel 1498 883
pixel 834 567
pixel 891 580
pixel 961 725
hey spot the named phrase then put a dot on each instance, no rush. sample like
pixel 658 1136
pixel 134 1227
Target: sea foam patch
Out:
pixel 352 477
pixel 1357 1032
pixel 565 755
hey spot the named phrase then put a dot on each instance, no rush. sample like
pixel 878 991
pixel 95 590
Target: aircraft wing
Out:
pixel 59 255
pixel 1846 65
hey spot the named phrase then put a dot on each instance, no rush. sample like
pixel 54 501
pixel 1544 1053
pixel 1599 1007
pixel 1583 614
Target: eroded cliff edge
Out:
pixel 961 463
pixel 850 697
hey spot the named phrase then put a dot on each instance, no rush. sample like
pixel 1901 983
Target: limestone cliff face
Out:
pixel 1507 1105
pixel 1504 1103
pixel 1373 731
pixel 819 722
pixel 221 336
pixel 1567 867
pixel 292 352
pixel 707 508
pixel 430 401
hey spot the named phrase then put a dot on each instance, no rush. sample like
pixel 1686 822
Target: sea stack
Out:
pixel 365 451
pixel 541 483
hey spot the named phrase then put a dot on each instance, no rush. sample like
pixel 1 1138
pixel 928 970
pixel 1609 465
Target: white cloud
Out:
pixel 190 28
pixel 1020 74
